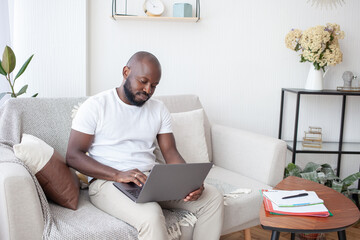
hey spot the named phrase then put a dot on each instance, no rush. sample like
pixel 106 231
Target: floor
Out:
pixel 257 233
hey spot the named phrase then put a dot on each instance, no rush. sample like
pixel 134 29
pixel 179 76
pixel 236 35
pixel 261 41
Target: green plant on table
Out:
pixel 7 65
pixel 324 174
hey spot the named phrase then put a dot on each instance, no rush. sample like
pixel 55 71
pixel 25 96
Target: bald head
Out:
pixel 144 57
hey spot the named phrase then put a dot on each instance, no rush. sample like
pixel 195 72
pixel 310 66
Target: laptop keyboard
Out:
pixel 134 192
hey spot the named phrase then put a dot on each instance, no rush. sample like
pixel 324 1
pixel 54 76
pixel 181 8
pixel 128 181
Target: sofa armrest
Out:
pixel 253 155
pixel 20 210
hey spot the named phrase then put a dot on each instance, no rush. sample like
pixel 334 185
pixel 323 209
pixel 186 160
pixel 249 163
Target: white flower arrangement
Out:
pixel 319 45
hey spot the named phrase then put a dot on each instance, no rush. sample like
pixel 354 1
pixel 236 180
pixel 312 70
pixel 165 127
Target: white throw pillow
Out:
pixel 34 152
pixel 189 132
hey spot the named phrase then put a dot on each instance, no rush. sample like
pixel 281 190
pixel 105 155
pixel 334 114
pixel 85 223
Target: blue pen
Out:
pixel 295 196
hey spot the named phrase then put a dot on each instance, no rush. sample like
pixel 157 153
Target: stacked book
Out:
pixel 298 203
pixel 313 138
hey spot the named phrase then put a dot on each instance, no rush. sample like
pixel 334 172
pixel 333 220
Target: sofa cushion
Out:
pixel 189 134
pixel 89 222
pixel 59 183
pixel 243 210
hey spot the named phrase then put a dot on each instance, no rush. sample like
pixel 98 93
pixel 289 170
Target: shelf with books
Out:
pixel 339 148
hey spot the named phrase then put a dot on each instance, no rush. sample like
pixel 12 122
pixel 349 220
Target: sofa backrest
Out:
pixel 46 118
pixel 50 118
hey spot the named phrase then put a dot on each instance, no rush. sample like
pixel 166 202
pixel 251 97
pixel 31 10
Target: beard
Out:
pixel 131 96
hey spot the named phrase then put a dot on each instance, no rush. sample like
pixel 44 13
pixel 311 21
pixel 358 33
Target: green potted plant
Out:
pixel 324 174
pixel 7 65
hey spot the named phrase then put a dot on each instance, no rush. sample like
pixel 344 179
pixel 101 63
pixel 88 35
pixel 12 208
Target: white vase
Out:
pixel 314 80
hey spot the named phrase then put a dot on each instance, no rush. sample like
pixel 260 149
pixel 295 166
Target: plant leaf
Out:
pixel 23 68
pixel 353 191
pixel 293 170
pixel 351 179
pixel 337 186
pixel 2 71
pixel 8 60
pixel 311 167
pixel 317 65
pixel 321 177
pixel 2 95
pixel 312 176
pixel 35 95
pixel 22 90
pixel 328 171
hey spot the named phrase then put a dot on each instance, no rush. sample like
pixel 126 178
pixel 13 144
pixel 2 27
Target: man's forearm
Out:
pixel 174 158
pixel 90 167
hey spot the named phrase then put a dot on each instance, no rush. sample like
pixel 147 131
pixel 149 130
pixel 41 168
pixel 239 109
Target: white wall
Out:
pixel 235 59
pixel 55 32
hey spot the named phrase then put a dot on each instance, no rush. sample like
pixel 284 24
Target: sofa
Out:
pixel 243 161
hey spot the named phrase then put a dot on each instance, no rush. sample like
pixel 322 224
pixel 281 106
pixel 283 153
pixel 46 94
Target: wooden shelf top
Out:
pixel 175 19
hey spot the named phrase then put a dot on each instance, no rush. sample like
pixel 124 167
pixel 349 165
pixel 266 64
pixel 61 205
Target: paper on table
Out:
pixel 276 197
pixel 317 210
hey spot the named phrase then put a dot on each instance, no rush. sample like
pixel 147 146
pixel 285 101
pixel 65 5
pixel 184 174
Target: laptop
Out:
pixel 167 182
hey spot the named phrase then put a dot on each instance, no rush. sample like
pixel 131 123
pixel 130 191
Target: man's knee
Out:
pixel 151 223
pixel 152 215
pixel 214 195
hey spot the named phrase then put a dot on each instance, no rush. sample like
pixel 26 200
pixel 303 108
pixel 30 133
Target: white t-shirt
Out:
pixel 124 134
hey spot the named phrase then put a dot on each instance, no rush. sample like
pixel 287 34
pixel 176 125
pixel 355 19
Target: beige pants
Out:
pixel 148 218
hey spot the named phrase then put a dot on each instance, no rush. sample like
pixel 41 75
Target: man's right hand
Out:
pixel 134 175
pixel 76 157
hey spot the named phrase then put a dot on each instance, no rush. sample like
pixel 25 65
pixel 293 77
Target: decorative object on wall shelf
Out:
pixel 347 77
pixel 356 83
pixel 182 10
pixel 350 83
pixel 154 8
pixel 151 16
pixel 348 89
pixel 313 138
pixel 7 65
pixel 320 46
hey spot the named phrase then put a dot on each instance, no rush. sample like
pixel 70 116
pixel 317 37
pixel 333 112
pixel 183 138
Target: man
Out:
pixel 118 128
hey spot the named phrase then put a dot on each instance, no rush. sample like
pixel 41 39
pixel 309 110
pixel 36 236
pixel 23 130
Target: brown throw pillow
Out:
pixel 59 183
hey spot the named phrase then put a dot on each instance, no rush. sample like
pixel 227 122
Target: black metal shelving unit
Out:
pixel 339 147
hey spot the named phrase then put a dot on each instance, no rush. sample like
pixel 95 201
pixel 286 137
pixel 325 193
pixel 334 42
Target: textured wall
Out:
pixel 55 32
pixel 235 59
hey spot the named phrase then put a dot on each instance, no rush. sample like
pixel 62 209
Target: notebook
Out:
pixel 276 196
pixel 167 182
pixel 317 210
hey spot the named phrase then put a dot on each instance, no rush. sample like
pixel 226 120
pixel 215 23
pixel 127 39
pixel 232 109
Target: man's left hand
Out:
pixel 193 196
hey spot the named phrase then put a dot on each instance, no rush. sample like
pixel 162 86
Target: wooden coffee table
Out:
pixel 345 213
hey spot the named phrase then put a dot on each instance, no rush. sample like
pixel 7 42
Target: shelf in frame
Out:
pixel 327 147
pixel 124 15
pixel 145 18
